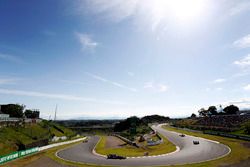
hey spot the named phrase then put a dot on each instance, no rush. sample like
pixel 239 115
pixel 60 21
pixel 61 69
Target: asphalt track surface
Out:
pixel 188 153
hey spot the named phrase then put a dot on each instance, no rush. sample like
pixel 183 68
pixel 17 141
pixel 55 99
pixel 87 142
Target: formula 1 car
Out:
pixel 196 142
pixel 182 135
pixel 114 156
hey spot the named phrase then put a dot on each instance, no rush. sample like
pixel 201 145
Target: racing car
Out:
pixel 114 156
pixel 182 135
pixel 195 142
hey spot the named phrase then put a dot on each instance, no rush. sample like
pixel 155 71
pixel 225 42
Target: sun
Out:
pixel 184 11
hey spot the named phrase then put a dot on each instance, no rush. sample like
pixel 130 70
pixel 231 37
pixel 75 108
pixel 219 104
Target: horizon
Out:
pixel 115 59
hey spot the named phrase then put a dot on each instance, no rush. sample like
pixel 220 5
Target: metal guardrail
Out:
pixel 154 143
pixel 125 140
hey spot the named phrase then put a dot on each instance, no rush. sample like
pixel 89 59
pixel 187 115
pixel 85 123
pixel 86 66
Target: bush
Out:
pixel 247 127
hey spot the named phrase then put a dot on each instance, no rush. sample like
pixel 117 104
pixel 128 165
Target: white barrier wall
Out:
pixel 59 144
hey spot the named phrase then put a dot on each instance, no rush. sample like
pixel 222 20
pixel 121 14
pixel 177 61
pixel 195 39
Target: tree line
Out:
pixel 212 110
pixel 19 111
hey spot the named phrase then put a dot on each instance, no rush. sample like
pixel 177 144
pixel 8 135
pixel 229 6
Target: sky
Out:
pixel 114 59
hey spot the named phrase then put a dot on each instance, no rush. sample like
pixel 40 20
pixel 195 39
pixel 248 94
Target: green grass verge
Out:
pixel 130 151
pixel 238 151
pixel 241 132
pixel 11 136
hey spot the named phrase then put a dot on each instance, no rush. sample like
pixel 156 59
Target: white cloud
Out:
pixel 162 87
pixel 10 58
pixel 213 89
pixel 4 81
pixel 157 87
pixel 219 80
pixel 241 103
pixel 244 62
pixel 111 82
pixel 131 74
pixel 208 89
pixel 8 81
pixel 240 8
pixel 55 96
pixel 73 82
pixel 240 74
pixel 115 10
pixel 243 42
pixel 247 87
pixel 86 41
pixel 219 89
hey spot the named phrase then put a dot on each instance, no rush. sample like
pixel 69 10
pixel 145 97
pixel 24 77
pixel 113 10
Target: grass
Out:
pixel 130 151
pixel 238 151
pixel 57 129
pixel 11 136
pixel 241 132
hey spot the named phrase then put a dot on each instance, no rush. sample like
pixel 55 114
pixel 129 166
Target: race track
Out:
pixel 188 153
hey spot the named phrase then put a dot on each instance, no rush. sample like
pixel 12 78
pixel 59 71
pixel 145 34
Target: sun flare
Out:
pixel 179 10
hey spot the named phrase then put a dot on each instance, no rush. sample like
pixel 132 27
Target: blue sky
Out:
pixel 118 58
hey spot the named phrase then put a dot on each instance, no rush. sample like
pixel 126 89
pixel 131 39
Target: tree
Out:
pixel 193 115
pixel 203 113
pixel 154 118
pixel 14 110
pixel 31 113
pixel 247 127
pixel 212 110
pixel 28 113
pixel 128 123
pixel 231 110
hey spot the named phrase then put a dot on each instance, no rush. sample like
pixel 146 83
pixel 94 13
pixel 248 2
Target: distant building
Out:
pixel 3 116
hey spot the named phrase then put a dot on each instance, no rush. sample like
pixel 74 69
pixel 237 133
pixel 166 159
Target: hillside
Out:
pixel 134 126
pixel 154 118
pixel 16 138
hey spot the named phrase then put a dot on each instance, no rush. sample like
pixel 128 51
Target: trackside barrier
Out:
pixel 18 154
pixel 154 143
pixel 59 144
pixel 125 140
